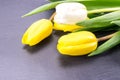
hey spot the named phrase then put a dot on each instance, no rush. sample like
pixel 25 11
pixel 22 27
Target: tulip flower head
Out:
pixel 68 14
pixel 77 43
pixel 38 31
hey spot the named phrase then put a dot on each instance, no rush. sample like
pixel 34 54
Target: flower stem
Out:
pixel 52 16
pixel 105 37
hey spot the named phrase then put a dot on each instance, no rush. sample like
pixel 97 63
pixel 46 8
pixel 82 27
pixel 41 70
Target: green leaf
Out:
pixel 101 4
pixel 90 4
pixel 99 22
pixel 54 0
pixel 116 22
pixel 103 10
pixel 42 8
pixel 48 6
pixel 115 40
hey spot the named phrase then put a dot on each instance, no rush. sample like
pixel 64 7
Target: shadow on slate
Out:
pixel 39 46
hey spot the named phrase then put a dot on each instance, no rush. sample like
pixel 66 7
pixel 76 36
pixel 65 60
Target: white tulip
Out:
pixel 70 13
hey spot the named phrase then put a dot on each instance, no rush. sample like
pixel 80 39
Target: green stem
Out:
pixel 103 10
pixel 105 37
pixel 115 40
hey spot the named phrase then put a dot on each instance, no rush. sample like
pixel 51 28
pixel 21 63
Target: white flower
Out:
pixel 70 13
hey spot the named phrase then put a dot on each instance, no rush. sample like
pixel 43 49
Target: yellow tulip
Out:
pixel 77 43
pixel 66 27
pixel 38 31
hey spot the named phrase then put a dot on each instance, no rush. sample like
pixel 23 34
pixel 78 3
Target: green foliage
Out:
pixel 55 0
pixel 100 22
pixel 42 8
pixel 90 4
pixel 117 22
pixel 115 40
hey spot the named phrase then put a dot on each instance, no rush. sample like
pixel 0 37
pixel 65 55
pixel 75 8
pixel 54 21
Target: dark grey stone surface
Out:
pixel 43 62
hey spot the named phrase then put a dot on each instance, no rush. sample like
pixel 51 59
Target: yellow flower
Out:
pixel 66 27
pixel 38 31
pixel 77 43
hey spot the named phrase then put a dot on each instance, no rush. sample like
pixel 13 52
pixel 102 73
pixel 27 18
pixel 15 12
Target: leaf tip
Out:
pixel 90 55
pixel 24 15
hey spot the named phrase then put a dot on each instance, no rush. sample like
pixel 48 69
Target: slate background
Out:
pixel 43 62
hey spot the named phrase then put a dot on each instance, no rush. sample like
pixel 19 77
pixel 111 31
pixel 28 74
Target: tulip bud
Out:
pixel 38 31
pixel 68 14
pixel 77 43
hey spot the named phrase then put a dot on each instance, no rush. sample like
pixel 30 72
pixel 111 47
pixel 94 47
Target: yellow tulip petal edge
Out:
pixel 77 43
pixel 66 27
pixel 38 31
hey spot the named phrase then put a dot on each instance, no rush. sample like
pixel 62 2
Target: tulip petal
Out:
pixel 77 50
pixel 66 27
pixel 37 32
pixel 78 43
